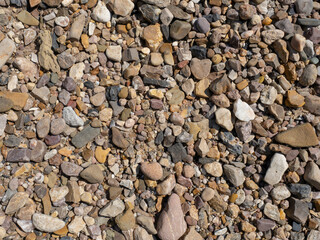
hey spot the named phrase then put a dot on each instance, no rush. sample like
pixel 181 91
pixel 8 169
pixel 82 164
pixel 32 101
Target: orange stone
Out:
pixel 267 21
pixel 294 99
pixel 242 85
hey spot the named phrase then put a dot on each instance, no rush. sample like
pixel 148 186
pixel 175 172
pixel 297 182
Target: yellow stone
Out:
pixel 24 169
pixel 63 231
pixel 85 40
pixel 156 93
pixel 247 227
pixel 65 152
pixel 233 198
pixel 267 21
pixel 217 58
pixel 242 85
pixel 153 35
pixel 251 184
pixel 101 154
pixel 19 99
pixel 214 153
pixel 317 204
pixel 294 99
pixel 151 183
pixel 202 88
pixel 282 214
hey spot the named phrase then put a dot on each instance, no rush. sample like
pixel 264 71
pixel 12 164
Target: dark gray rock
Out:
pixel 85 136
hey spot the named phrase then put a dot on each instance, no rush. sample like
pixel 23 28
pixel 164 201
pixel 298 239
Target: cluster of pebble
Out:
pixel 159 119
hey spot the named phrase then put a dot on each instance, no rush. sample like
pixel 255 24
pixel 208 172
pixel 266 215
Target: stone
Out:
pixel 298 42
pixel 243 111
pixel 221 85
pixel 298 210
pixel 126 221
pixel 280 193
pixel 71 118
pixel 16 202
pixel 312 104
pixel 179 29
pixel 43 127
pixel 29 69
pixel 118 139
pixel 101 13
pixel 77 27
pixel 265 225
pixel 122 7
pixel 98 99
pixel 166 16
pixel 153 35
pixel 246 11
pixel 113 208
pixel 46 223
pixel 300 190
pixel 202 25
pixel 101 154
pixel 76 225
pixel 57 126
pixel 244 129
pixel 85 136
pixel 268 95
pixel 280 47
pixel 177 152
pixel 171 223
pixel 92 174
pixel 214 169
pixel 276 169
pixel 19 155
pixel 5 105
pixel 3 123
pixel 271 211
pixel 201 147
pixel 218 203
pixel 52 3
pixel 19 100
pixel 200 68
pixel 304 6
pixel 300 136
pixel 65 60
pixel 309 75
pixel 270 36
pixel 294 99
pixel 166 186
pixel 74 192
pixel 70 169
pixel 192 235
pixel 58 193
pixel 27 18
pixel 46 56
pixel 207 194
pixel 202 88
pixel 152 170
pixel 114 53
pixel 7 47
pixel 223 118
pixel 312 174
pixel 42 94
pixel 234 175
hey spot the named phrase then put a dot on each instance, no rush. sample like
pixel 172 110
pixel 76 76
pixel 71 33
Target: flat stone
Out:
pixel 42 94
pixel 71 118
pixel 85 136
pixel 276 169
pixel 175 96
pixel 177 152
pixel 214 169
pixel 309 75
pixel 300 136
pixel 3 122
pixel 122 7
pixel 301 190
pixel 57 126
pixel 19 155
pixel 74 192
pixel 264 225
pixel 114 53
pixel 92 174
pixel 113 208
pixel 309 22
pixel 76 225
pixel 19 100
pixel 58 193
pixel 27 18
pixel 200 68
pixel 280 193
pixel 298 210
pixel 16 202
pixel 46 223
pixel 234 175
pixel 272 212
pixel 77 27
pixel 178 12
pixel 43 127
pixel 71 169
pixel 29 69
pixel 166 186
pixel 171 223
pixel 270 36
pixel 118 139
pixel 5 105
pixel 7 47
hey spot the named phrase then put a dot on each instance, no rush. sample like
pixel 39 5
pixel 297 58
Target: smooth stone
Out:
pixel 46 223
pixel 179 29
pixel 92 174
pixel 5 104
pixel 309 75
pixel 152 170
pixel 312 175
pixel 57 126
pixel 309 22
pixel 58 193
pixel 265 225
pixel 276 169
pixel 114 53
pixel 7 47
pixel 234 175
pixel 43 127
pixel 126 221
pixel 171 223
pixel 200 68
pixel 214 169
pixel 312 104
pixel 272 212
pixel 42 94
pixel 122 7
pixel 71 118
pixel 85 136
pixel 280 193
pixel 300 136
pixel 243 111
pixel 3 122
pixel 101 13
pixel 70 169
pixel 304 6
pixel 166 186
pixel 19 155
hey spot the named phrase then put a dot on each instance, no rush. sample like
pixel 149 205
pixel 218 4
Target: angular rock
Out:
pixel 234 175
pixel 46 223
pixel 113 208
pixel 7 47
pixel 92 174
pixel 278 165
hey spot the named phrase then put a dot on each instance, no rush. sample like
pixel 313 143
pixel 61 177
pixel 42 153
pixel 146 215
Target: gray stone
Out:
pixel 43 127
pixel 71 118
pixel 77 27
pixel 234 175
pixel 85 136
pixel 46 223
pixel 276 169
pixel 92 174
pixel 71 169
pixel 113 208
pixel 19 155
pixel 7 47
pixel 309 75
pixel 42 94
pixel 312 175
pixel 298 210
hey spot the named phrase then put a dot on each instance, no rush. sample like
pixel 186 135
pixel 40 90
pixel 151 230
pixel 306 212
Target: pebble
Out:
pixel 234 175
pixel 243 111
pixel 113 208
pixel 92 174
pixel 200 68
pixel 214 169
pixel 46 223
pixel 101 13
pixel 309 75
pixel 7 47
pixel 71 169
pixel 278 165
pixel 223 118
pixel 312 174
pixel 152 170
pixel 71 118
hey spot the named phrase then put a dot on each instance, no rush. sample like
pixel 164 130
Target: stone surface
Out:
pixel 171 223
pixel 278 165
pixel 92 174
pixel 234 175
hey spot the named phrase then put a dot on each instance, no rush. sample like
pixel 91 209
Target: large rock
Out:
pixel 276 169
pixel 101 13
pixel 7 47
pixel 46 223
pixel 17 202
pixel 300 136
pixel 171 224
